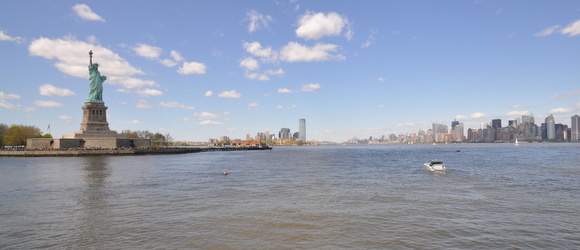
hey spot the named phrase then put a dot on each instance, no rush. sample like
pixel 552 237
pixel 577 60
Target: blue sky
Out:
pixel 204 69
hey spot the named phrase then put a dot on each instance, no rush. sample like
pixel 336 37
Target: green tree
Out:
pixel 3 128
pixel 168 139
pixel 158 140
pixel 17 135
pixel 130 134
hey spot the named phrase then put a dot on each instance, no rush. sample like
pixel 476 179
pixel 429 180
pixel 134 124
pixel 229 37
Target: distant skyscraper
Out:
pixel 284 133
pixel 575 128
pixel 302 130
pixel 496 123
pixel 439 130
pixel 454 123
pixel 550 127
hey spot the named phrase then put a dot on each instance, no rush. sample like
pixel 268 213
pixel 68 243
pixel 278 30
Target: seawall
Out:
pixel 87 152
pixel 143 151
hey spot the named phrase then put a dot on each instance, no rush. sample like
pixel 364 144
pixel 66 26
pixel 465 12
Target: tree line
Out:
pixel 157 139
pixel 16 135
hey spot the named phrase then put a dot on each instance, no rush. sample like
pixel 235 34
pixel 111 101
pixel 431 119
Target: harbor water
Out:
pixel 312 197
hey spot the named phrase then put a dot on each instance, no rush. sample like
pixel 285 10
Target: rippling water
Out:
pixel 325 197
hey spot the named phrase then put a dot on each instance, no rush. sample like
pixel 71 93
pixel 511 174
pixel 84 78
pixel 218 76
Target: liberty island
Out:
pixel 95 137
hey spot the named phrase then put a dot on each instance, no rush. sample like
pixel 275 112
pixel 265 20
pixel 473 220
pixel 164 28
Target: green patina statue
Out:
pixel 96 88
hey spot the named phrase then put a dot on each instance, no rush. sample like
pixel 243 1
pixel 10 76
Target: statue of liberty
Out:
pixel 96 88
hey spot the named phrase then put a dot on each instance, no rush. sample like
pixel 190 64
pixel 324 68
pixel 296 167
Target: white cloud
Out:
pixel 4 37
pixel 349 32
pixel 84 12
pixel 129 82
pixel 168 62
pixel 371 39
pixel 92 39
pixel 249 63
pixel 316 25
pixel 405 125
pixel 474 116
pixel 9 106
pixel 51 90
pixel 548 31
pixel 130 122
pixel 562 111
pixel 230 94
pixel 176 59
pixel 257 20
pixel 147 51
pixel 293 106
pixel 253 104
pixel 67 118
pixel 176 56
pixel 518 106
pixel 310 87
pixel 256 49
pixel 148 92
pixel 284 90
pixel 381 79
pixel 517 113
pixel 565 95
pixel 8 96
pixel 260 77
pixel 208 93
pixel 48 104
pixel 72 59
pixel 205 115
pixel 143 104
pixel 572 29
pixel 278 72
pixel 295 52
pixel 208 122
pixel 189 68
pixel 279 107
pixel 478 115
pixel 381 105
pixel 174 104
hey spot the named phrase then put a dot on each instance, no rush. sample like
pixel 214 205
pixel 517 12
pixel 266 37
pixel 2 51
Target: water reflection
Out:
pixel 94 202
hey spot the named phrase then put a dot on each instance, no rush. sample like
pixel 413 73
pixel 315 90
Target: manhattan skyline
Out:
pixel 201 70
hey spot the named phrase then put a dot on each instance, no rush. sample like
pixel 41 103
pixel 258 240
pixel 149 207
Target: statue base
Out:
pixel 94 133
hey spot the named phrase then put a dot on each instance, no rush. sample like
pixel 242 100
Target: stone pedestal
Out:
pixel 94 117
pixel 94 133
pixel 95 123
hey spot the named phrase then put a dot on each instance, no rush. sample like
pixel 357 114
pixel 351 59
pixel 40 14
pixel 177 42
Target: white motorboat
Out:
pixel 435 165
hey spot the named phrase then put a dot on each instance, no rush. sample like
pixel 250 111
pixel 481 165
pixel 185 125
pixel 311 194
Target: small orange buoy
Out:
pixel 225 172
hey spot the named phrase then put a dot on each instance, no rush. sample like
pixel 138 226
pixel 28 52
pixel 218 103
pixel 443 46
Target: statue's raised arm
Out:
pixel 96 87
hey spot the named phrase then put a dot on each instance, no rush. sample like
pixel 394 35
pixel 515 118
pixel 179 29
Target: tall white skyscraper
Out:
pixel 302 130
pixel 550 127
pixel 575 128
